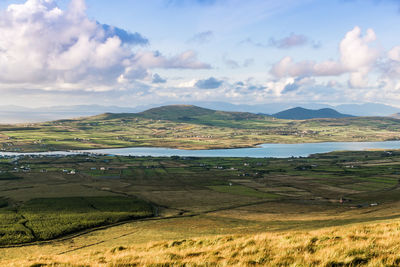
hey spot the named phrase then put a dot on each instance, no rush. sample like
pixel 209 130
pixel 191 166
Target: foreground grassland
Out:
pixel 357 245
pixel 335 209
pixel 189 127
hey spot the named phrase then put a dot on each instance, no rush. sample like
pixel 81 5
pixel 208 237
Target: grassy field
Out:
pixel 356 245
pixel 197 129
pixel 327 209
pixel 45 219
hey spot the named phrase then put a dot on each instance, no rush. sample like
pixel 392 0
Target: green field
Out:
pixel 241 191
pixel 46 201
pixel 48 218
pixel 197 129
pixel 118 211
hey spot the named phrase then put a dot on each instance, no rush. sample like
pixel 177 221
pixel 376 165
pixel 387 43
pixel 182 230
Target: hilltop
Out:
pixel 191 114
pixel 300 113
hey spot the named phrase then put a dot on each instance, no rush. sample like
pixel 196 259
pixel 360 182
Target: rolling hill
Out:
pixel 299 113
pixel 192 114
pixel 184 113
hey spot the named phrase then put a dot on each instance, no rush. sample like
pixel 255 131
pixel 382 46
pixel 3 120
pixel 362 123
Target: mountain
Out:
pixel 176 112
pixel 16 114
pixel 185 113
pixel 304 114
pixel 192 114
pixel 396 116
pixel 367 109
pixel 269 108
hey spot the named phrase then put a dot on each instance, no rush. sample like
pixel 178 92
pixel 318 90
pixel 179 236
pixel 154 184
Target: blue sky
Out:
pixel 242 52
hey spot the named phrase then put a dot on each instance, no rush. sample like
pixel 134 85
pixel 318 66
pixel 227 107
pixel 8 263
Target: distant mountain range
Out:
pixel 16 114
pixel 366 109
pixel 305 114
pixel 396 116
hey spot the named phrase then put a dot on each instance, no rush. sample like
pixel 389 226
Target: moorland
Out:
pixel 190 127
pixel 334 209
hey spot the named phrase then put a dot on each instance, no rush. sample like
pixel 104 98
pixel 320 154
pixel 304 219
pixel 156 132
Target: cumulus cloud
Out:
pixel 42 45
pixel 356 58
pixel 391 68
pixel 287 67
pixel 125 36
pixel 394 53
pixel 210 83
pixel 297 83
pixel 158 79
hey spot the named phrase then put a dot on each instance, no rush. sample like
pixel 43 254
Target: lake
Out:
pixel 263 151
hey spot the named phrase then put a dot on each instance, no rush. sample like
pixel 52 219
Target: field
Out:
pixel 45 219
pixel 338 208
pixel 197 129
pixel 356 245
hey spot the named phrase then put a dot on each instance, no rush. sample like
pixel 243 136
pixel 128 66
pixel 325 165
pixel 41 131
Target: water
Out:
pixel 265 150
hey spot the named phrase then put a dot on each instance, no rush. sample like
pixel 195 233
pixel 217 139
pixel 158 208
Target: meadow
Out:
pixel 122 211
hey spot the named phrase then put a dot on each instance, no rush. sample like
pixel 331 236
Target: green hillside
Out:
pixel 305 114
pixel 176 112
pixel 198 115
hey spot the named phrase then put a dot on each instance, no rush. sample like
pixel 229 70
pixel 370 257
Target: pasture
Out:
pixel 109 202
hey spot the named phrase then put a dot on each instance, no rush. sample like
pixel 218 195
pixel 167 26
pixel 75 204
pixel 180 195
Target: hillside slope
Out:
pixel 373 244
pixel 305 114
pixel 189 113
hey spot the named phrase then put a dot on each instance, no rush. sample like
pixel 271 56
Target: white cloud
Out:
pixel 356 58
pixel 394 53
pixel 44 46
pixel 354 50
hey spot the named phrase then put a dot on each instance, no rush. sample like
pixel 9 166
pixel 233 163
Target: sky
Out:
pixel 134 53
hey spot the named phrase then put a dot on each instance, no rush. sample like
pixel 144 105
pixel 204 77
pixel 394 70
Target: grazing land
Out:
pixel 198 128
pixel 334 209
pixel 356 245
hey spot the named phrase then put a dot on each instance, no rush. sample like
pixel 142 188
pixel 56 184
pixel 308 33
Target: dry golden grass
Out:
pixel 374 244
